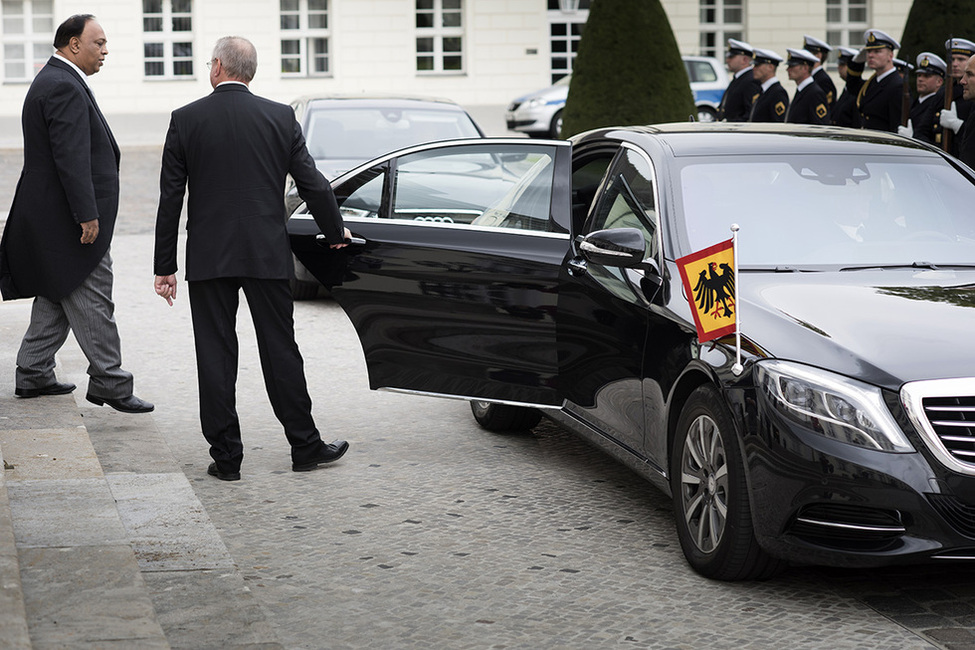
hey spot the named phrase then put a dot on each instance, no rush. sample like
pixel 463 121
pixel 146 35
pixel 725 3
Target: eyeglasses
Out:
pixel 210 63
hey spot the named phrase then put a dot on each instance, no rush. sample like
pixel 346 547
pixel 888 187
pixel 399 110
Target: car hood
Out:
pixel 885 327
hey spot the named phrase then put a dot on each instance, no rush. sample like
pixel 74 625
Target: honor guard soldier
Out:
pixel 821 50
pixel 809 104
pixel 773 101
pixel 736 103
pixel 929 80
pixel 844 109
pixel 879 98
pixel 966 144
pixel 961 50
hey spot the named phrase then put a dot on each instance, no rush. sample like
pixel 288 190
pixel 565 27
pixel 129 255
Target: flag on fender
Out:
pixel 709 285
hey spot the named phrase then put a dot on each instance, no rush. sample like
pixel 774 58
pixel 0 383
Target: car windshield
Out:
pixel 364 133
pixel 830 210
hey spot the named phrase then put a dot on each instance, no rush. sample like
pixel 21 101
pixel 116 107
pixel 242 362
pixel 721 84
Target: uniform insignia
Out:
pixel 821 111
pixel 779 108
pixel 755 97
pixel 829 98
pixel 925 62
pixel 872 38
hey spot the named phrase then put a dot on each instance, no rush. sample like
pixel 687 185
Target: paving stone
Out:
pixel 66 608
pixel 49 454
pixel 69 512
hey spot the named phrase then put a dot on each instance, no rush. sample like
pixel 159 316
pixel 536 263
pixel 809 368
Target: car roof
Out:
pixel 723 138
pixel 385 101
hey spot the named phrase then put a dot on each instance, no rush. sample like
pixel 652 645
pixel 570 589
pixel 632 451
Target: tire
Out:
pixel 503 417
pixel 555 128
pixel 711 507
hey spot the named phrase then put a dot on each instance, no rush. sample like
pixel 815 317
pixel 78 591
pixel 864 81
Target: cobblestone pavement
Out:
pixel 434 533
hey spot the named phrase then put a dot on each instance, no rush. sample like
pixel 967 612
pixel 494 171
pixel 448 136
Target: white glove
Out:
pixel 861 56
pixel 949 118
pixel 906 131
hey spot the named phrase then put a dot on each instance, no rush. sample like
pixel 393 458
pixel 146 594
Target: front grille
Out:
pixel 953 420
pixel 957 513
pixel 943 412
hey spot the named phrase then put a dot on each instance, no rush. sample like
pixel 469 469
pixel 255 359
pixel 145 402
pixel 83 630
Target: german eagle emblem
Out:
pixel 715 291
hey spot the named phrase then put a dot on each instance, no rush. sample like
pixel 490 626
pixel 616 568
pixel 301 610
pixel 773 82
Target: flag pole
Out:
pixel 736 369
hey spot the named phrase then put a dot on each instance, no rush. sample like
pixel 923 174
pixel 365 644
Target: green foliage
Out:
pixel 628 70
pixel 932 22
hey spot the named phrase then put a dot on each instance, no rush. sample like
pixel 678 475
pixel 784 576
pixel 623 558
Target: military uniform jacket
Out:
pixel 809 106
pixel 823 80
pixel 771 105
pixel 879 103
pixel 923 116
pixel 70 175
pixel 844 110
pixel 736 103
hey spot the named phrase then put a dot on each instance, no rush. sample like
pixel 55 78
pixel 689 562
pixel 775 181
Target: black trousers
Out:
pixel 214 304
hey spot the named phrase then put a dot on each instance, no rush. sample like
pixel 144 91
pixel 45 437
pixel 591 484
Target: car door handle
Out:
pixel 577 266
pixel 360 241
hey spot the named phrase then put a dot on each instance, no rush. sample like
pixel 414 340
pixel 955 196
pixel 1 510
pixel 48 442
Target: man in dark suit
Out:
pixel 773 101
pixel 236 150
pixel 809 105
pixel 820 49
pixel 736 103
pixel 879 98
pixel 55 245
pixel 955 116
pixel 930 76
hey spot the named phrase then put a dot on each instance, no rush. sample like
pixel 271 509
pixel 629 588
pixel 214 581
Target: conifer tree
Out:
pixel 932 22
pixel 628 70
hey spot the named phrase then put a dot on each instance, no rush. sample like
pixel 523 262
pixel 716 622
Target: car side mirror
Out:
pixel 620 247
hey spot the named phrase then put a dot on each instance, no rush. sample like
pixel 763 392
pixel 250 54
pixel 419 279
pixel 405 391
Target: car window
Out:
pixel 700 71
pixel 628 199
pixel 363 133
pixel 830 209
pixel 510 187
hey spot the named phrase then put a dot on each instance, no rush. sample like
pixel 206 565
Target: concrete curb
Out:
pixel 13 616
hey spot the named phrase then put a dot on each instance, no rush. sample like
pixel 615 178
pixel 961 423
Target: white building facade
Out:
pixel 475 52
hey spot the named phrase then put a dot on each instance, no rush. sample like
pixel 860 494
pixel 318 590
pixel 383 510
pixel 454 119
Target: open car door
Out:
pixel 454 290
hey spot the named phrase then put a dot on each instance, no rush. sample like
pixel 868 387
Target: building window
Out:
pixel 304 38
pixel 846 20
pixel 566 20
pixel 28 31
pixel 439 36
pixel 167 28
pixel 720 20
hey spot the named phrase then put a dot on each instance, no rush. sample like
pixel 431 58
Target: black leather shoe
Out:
pixel 212 470
pixel 330 452
pixel 54 389
pixel 130 404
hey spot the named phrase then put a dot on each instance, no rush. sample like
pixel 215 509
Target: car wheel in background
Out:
pixel 503 417
pixel 706 114
pixel 555 128
pixel 712 511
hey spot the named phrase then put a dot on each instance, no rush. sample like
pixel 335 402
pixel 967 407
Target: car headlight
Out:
pixel 832 405
pixel 534 102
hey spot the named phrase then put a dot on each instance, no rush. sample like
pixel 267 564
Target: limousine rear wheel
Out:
pixel 504 417
pixel 711 508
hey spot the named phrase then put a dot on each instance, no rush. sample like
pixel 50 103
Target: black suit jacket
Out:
pixel 236 150
pixel 771 105
pixel 844 111
pixel 70 175
pixel 809 106
pixel 736 103
pixel 879 103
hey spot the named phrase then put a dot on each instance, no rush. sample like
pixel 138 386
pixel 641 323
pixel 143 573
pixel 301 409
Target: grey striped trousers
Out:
pixel 89 312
